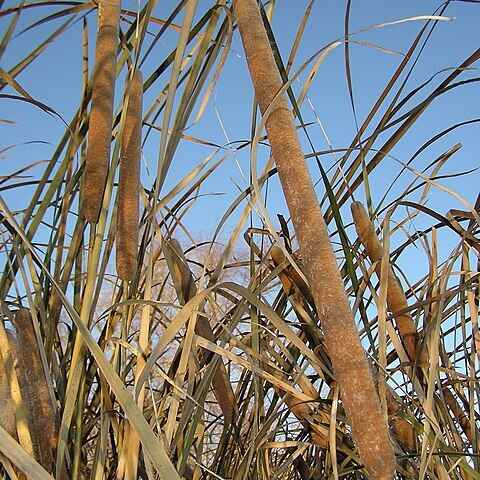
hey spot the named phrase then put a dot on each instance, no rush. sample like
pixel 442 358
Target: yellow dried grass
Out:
pixel 100 126
pixel 350 364
pixel 129 183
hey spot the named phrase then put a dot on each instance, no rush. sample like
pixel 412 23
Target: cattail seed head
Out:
pixel 129 183
pixel 352 371
pixel 100 126
pixel 186 289
pixel 7 407
pixel 396 298
pixel 37 402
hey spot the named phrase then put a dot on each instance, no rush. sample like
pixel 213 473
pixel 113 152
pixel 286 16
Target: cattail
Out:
pixel 7 408
pixel 129 183
pixel 305 415
pixel 101 114
pixel 185 286
pixel 37 402
pixel 396 298
pixel 351 368
pixel 300 292
pixel 301 410
pixel 404 432
pixel 290 277
pixel 459 413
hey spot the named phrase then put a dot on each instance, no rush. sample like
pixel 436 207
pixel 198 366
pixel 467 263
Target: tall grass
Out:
pixel 137 342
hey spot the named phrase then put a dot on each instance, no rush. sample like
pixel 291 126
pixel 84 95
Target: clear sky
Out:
pixel 55 79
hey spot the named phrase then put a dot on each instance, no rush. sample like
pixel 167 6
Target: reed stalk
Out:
pixel 352 370
pixel 129 183
pixel 101 114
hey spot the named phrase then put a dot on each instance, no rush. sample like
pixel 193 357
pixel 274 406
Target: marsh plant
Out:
pixel 319 319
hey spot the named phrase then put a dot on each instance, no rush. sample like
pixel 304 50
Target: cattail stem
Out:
pixel 350 364
pixel 100 126
pixel 129 183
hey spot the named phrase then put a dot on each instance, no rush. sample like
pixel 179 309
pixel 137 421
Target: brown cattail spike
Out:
pixel 396 299
pixel 403 431
pixel 290 275
pixel 7 407
pixel 100 127
pixel 459 413
pixel 129 183
pixel 352 370
pixel 185 285
pixel 35 394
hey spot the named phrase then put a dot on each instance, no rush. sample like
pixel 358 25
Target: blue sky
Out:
pixel 55 79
